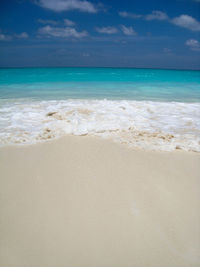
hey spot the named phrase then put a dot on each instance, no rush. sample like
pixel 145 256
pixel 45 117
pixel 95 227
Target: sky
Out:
pixel 100 33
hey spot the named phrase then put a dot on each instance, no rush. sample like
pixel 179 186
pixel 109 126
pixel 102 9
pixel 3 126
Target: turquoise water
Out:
pixel 144 108
pixel 100 83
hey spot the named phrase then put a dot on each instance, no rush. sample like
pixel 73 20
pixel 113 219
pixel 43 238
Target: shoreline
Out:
pixel 145 124
pixel 98 138
pixel 84 201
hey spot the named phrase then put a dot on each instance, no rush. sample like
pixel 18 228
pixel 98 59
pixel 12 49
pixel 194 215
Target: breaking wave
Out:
pixel 140 124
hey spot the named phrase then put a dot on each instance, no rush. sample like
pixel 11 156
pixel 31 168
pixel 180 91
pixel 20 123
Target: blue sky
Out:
pixel 128 33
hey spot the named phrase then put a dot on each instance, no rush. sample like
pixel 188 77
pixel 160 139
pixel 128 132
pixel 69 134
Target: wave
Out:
pixel 141 124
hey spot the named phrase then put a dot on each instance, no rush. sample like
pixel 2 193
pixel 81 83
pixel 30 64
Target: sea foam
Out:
pixel 140 124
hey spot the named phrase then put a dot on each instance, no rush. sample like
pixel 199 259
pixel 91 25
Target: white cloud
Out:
pixel 184 21
pixel 193 44
pixel 54 22
pixel 61 32
pixel 85 54
pixel 4 37
pixel 107 30
pixel 187 22
pixel 156 15
pixel 47 21
pixel 22 35
pixel 125 14
pixel 128 30
pixel 65 5
pixel 69 22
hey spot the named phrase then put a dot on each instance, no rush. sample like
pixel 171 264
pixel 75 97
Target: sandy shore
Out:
pixel 83 202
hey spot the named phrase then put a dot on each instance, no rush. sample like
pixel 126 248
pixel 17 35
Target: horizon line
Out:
pixel 100 67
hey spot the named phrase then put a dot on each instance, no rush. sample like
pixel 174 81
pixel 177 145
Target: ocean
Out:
pixel 144 108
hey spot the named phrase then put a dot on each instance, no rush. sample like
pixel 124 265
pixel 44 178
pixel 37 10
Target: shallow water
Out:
pixel 150 109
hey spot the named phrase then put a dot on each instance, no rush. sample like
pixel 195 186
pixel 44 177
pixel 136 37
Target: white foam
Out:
pixel 143 124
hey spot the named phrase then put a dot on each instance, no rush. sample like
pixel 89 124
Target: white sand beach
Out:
pixel 84 201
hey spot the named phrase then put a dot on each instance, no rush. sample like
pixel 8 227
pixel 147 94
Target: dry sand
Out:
pixel 82 202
